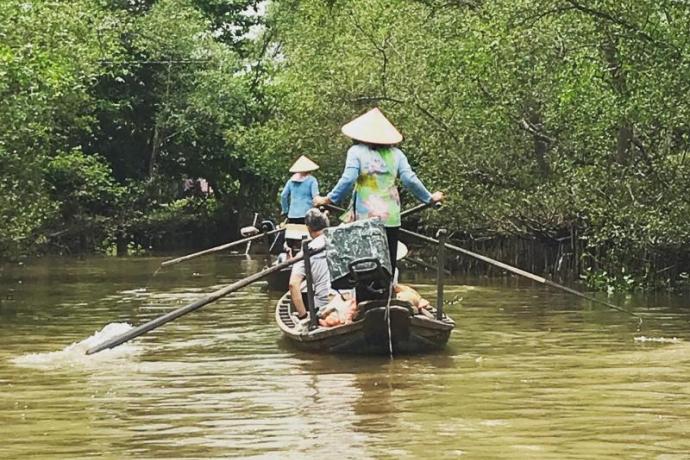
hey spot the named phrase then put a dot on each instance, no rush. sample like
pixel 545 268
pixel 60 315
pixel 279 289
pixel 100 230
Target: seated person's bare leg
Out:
pixel 295 287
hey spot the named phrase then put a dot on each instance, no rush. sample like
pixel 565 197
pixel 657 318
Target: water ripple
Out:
pixel 528 373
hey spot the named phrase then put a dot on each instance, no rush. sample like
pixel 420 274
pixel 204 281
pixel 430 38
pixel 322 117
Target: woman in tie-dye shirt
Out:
pixel 371 168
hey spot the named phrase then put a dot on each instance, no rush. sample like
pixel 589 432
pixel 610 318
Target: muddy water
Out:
pixel 528 373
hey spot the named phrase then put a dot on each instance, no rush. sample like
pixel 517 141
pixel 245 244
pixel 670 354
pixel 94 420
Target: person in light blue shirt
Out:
pixel 299 191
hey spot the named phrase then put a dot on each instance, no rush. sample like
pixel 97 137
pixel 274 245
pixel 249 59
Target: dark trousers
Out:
pixel 392 237
pixel 277 246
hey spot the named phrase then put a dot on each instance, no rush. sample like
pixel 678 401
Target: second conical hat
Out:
pixel 302 165
pixel 374 128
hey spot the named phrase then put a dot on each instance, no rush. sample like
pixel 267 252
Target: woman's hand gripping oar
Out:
pixel 157 322
pixel 518 271
pixel 221 247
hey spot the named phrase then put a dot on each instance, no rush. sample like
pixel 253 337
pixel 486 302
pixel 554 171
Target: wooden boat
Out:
pixel 410 332
pixel 278 280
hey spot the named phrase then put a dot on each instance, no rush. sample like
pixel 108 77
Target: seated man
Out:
pixel 316 222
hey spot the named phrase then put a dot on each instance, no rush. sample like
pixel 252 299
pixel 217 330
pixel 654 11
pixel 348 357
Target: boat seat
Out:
pixel 370 280
pixel 367 269
pixel 357 254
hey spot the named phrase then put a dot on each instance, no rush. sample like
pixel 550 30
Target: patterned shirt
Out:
pixel 372 172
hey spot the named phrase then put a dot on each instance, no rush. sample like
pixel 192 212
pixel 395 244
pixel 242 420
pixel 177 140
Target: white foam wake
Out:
pixel 658 339
pixel 75 354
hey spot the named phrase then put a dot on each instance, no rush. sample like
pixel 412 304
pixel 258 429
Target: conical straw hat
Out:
pixel 302 165
pixel 372 127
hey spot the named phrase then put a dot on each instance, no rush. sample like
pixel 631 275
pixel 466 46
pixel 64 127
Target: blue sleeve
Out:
pixel 314 188
pixel 348 179
pixel 410 180
pixel 285 198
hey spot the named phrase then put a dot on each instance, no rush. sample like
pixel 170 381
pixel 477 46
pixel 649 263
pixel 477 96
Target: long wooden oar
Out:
pixel 421 263
pixel 221 247
pixel 518 271
pixel 419 207
pixel 157 322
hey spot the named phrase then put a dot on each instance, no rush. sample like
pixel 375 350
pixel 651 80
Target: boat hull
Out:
pixel 410 333
pixel 278 281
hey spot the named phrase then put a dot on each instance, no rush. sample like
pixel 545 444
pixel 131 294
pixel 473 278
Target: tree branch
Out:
pixel 533 130
pixel 620 22
pixel 377 99
pixel 541 15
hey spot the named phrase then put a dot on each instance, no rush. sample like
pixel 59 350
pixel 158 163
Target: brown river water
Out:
pixel 529 372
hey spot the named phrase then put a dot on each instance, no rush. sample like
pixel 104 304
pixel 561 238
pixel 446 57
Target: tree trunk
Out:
pixel 624 143
pixel 121 246
pixel 532 122
pixel 540 144
pixel 624 135
pixel 155 142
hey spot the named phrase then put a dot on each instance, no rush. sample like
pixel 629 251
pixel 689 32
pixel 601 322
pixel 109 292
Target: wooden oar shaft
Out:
pixel 488 260
pixel 157 322
pixel 516 270
pixel 220 248
pixel 334 208
pixel 417 208
pixel 424 264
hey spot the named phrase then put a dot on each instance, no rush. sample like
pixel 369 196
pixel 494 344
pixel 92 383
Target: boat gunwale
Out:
pixel 416 320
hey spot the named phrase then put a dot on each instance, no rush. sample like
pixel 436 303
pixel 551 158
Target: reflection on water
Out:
pixel 528 373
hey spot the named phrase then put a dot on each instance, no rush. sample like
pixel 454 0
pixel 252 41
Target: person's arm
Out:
pixel 348 179
pixel 285 199
pixel 295 287
pixel 410 180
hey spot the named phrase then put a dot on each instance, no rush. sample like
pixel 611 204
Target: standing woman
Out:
pixel 299 190
pixel 372 165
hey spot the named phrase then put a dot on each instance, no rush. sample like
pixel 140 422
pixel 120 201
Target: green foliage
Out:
pixel 536 117
pixel 49 58
pixel 81 184
pixel 88 198
pixel 141 95
pixel 603 281
pixel 24 204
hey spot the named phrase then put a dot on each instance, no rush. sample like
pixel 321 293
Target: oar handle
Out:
pixel 157 322
pixel 219 248
pixel 332 207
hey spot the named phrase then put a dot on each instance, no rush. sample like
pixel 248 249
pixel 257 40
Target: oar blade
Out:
pixel 157 322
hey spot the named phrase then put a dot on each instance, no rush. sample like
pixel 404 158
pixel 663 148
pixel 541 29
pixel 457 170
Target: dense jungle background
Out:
pixel 558 129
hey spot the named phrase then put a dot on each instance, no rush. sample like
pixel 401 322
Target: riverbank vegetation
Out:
pixel 558 129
